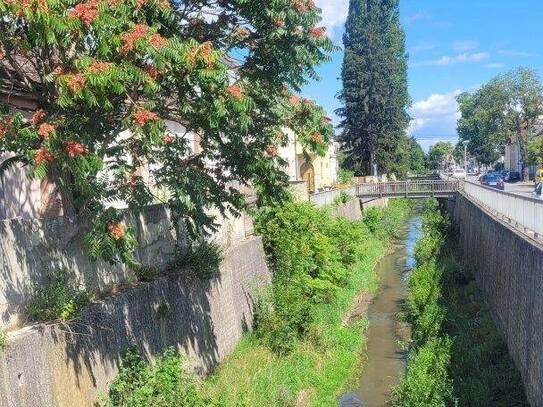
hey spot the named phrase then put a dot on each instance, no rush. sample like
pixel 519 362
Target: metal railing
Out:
pixel 408 189
pixel 523 212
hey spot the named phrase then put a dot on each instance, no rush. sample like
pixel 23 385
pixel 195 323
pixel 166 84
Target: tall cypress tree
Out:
pixel 374 94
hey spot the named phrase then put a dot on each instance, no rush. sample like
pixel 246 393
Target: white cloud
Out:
pixel 434 118
pixel 495 65
pixel 467 45
pixel 334 14
pixel 454 59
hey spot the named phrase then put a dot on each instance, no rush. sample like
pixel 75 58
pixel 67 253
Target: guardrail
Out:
pixel 408 189
pixel 522 211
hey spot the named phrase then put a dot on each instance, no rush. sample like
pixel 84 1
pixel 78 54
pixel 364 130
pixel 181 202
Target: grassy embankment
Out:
pixel 457 357
pixel 313 361
pixel 301 352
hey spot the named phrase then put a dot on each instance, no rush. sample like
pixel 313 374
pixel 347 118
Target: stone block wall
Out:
pixel 70 365
pixel 30 248
pixel 509 269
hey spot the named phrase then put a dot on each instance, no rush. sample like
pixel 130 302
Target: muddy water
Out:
pixel 385 360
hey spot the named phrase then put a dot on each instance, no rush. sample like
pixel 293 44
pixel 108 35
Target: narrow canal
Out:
pixel 385 358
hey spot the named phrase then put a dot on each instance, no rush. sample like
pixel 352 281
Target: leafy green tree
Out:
pixel 374 94
pixel 503 110
pixel 96 68
pixel 438 153
pixel 417 157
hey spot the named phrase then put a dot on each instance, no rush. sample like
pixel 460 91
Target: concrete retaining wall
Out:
pixel 351 210
pixel 69 365
pixel 29 248
pixel 509 270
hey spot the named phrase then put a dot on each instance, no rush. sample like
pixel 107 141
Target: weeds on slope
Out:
pixel 456 358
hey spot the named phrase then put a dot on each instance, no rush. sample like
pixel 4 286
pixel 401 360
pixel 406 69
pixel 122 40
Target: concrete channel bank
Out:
pixel 509 269
pixel 67 365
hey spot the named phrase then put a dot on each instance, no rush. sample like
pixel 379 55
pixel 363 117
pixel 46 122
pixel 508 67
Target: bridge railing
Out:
pixel 416 188
pixel 522 211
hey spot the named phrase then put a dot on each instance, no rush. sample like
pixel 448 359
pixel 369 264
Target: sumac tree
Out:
pixel 107 75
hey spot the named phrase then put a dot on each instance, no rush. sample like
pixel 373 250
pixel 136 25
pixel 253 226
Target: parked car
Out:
pixel 459 173
pixel 538 191
pixel 511 176
pixel 493 180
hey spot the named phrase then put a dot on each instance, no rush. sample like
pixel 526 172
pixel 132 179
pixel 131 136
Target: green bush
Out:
pixel 56 299
pixel 345 177
pixel 3 340
pixel 166 383
pixel 311 255
pixel 427 383
pixel 385 223
pixel 202 260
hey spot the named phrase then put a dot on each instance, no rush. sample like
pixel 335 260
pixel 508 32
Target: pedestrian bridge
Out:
pixel 431 188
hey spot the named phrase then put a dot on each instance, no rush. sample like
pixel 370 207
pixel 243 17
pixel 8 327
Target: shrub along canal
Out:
pixel 384 354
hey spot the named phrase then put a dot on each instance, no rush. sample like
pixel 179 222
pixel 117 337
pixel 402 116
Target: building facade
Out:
pixel 319 173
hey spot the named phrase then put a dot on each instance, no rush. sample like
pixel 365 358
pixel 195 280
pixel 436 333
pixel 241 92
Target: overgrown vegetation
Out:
pixel 302 352
pixel 202 259
pixel 56 299
pixel 456 355
pixel 166 383
pixel 3 340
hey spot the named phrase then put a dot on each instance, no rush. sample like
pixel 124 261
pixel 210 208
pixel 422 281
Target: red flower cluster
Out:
pixel 311 4
pixel 140 3
pixel 86 12
pixel 129 38
pixel 294 100
pixel 316 138
pixel 4 127
pixel 117 230
pixel 43 155
pixel 272 150
pixel 99 67
pixel 76 82
pixel 167 139
pixel 144 116
pixel 202 53
pixel 317 32
pixel 152 71
pixel 73 148
pixel 299 6
pixel 58 70
pixel 279 22
pixel 37 116
pixel 45 129
pixel 235 92
pixel 157 41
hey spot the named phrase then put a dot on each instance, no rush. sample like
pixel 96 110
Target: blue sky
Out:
pixel 454 46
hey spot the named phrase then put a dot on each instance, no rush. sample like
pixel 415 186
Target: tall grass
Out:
pixel 456 356
pixel 322 354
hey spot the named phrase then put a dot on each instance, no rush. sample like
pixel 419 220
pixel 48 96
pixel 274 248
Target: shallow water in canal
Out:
pixel 385 359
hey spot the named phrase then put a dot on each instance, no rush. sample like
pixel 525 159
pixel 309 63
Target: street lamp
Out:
pixel 466 142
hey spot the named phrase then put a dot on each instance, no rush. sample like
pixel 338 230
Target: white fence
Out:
pixel 328 197
pixel 521 211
